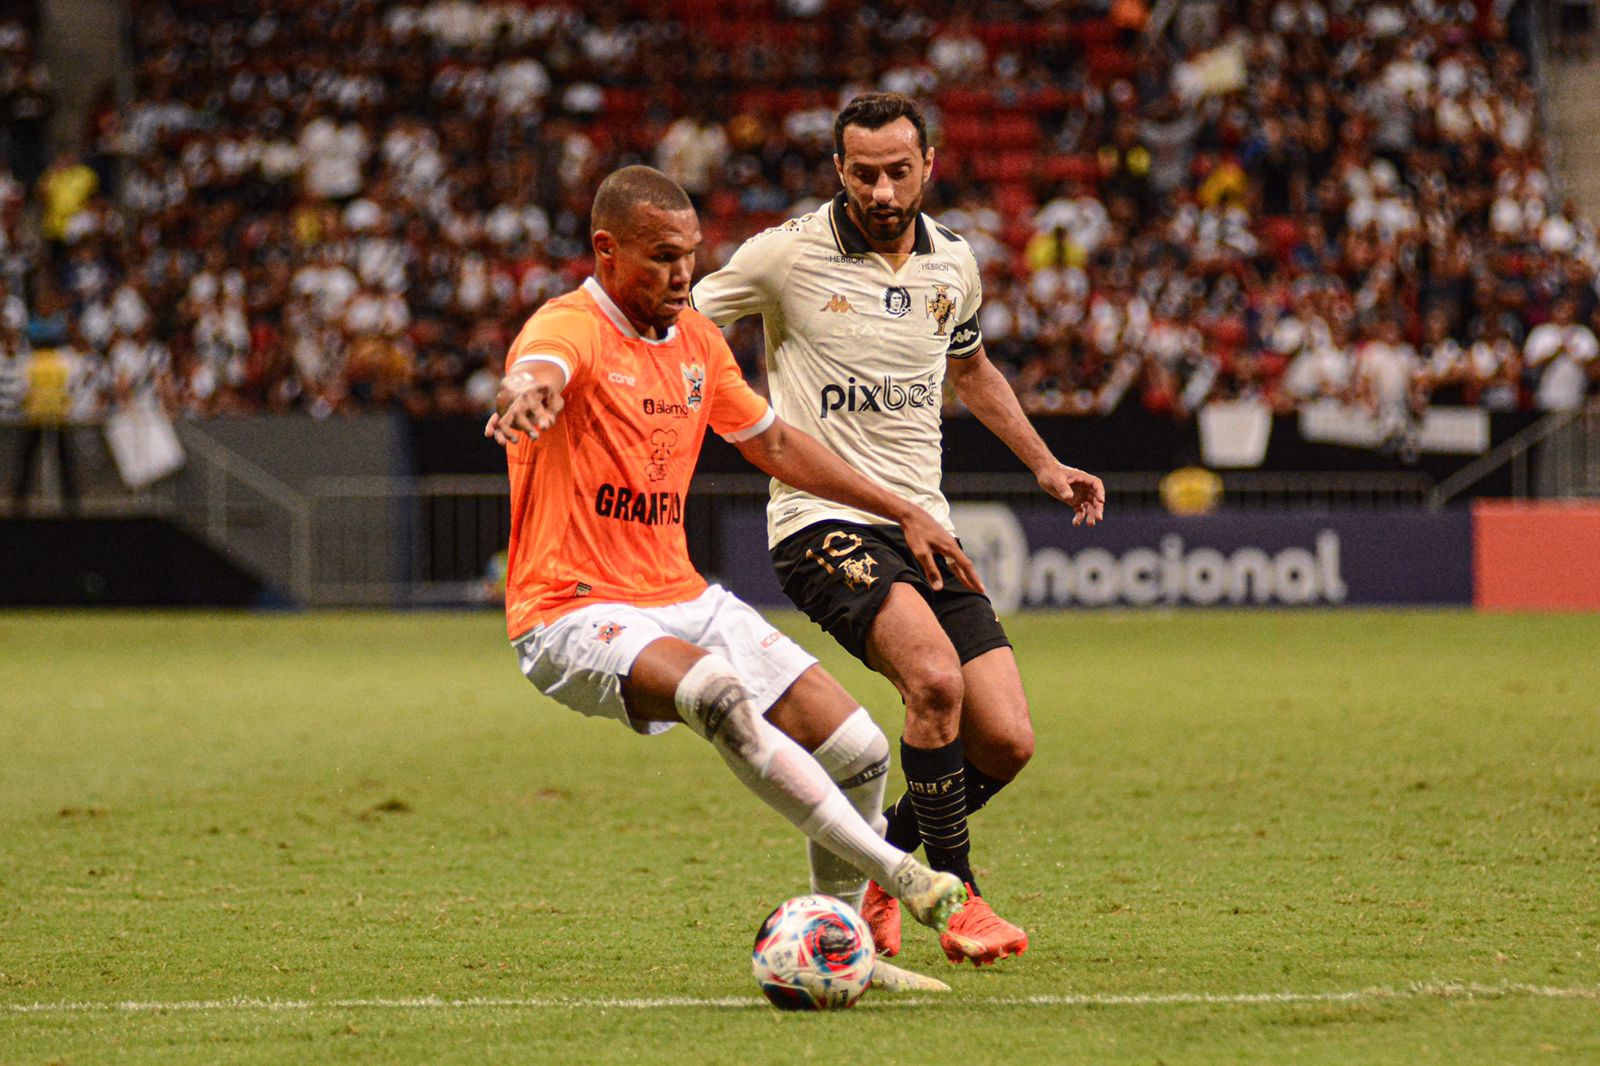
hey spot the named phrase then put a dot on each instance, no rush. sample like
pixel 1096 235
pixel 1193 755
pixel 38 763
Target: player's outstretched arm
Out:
pixel 527 402
pixel 988 395
pixel 798 459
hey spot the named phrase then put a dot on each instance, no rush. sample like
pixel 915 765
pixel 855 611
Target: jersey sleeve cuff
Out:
pixel 540 357
pixel 760 426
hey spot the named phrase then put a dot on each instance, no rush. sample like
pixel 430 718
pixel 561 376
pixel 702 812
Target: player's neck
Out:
pixel 643 329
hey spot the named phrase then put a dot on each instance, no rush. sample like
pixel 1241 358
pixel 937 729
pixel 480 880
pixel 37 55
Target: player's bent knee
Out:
pixel 1017 752
pixel 713 701
pixel 935 693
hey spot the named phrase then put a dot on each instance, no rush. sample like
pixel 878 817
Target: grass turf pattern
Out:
pixel 1247 836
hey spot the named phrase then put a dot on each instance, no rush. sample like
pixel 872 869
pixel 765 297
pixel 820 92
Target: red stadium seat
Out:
pixel 966 101
pixel 1084 168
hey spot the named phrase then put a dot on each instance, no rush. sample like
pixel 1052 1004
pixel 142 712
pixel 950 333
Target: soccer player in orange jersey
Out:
pixel 607 394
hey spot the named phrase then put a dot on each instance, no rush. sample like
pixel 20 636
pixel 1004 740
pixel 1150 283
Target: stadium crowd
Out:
pixel 334 204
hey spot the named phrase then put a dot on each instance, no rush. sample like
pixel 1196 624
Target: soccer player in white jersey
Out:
pixel 869 305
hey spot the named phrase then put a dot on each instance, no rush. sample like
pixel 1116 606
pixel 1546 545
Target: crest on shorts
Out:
pixel 607 632
pixel 897 301
pixel 941 308
pixel 694 384
pixel 857 573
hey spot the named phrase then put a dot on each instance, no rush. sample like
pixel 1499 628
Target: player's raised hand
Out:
pixel 1084 493
pixel 524 405
pixel 928 540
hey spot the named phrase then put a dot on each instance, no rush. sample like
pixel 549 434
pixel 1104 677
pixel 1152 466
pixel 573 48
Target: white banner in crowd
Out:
pixel 1455 430
pixel 1235 433
pixel 144 444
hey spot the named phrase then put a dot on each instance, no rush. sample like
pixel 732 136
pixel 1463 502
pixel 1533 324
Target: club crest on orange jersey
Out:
pixel 606 633
pixel 694 384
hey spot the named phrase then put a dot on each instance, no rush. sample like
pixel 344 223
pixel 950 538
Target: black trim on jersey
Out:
pixel 851 241
pixel 967 337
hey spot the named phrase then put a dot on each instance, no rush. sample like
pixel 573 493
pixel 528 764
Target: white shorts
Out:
pixel 580 659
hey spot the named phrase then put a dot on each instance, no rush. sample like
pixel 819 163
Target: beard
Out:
pixel 883 227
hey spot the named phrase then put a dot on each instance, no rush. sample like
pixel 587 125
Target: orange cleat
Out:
pixel 882 912
pixel 978 934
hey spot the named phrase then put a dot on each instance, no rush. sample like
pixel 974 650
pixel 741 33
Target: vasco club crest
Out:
pixel 694 384
pixel 941 308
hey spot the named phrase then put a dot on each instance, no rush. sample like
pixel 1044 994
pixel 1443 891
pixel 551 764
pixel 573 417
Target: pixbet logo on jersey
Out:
pixel 885 395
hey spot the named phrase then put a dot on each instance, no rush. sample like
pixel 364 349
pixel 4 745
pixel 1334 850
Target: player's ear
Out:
pixel 838 168
pixel 927 162
pixel 605 244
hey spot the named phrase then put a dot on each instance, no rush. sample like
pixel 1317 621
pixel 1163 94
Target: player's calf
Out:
pixel 713 701
pixel 856 759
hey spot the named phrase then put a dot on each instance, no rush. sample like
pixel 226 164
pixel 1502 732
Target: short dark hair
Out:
pixel 874 111
pixel 624 190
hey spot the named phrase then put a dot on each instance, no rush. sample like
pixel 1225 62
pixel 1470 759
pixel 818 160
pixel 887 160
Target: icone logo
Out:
pixel 885 395
pixel 622 379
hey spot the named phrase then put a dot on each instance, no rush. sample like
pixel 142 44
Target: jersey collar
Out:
pixel 851 241
pixel 599 295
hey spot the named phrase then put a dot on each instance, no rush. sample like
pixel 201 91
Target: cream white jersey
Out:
pixel 856 349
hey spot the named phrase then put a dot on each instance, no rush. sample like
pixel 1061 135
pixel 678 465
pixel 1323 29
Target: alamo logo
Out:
pixel 941 308
pixel 838 305
pixel 694 384
pixel 897 301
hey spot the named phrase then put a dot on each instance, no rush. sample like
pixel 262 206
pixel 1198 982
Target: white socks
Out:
pixel 714 703
pixel 856 757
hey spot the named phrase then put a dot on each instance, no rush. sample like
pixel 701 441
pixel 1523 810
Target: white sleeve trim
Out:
pixel 756 430
pixel 566 371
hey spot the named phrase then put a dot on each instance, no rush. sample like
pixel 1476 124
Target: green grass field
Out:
pixel 363 837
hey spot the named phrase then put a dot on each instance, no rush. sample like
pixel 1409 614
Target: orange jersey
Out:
pixel 597 501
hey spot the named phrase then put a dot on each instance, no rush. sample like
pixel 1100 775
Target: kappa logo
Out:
pixel 838 305
pixel 606 633
pixel 897 301
pixel 694 384
pixel 963 336
pixel 940 307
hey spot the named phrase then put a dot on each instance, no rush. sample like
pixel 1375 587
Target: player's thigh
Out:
pixel 813 708
pixel 907 645
pixel 767 663
pixel 996 730
pixel 583 659
pixel 839 574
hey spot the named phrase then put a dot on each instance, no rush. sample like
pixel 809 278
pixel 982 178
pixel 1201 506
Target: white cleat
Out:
pixel 888 977
pixel 930 897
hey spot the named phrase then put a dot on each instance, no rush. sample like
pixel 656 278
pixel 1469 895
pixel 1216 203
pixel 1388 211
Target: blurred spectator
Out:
pixel 325 208
pixel 1560 354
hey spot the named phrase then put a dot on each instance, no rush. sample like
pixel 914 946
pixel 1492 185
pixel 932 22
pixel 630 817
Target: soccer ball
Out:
pixel 813 953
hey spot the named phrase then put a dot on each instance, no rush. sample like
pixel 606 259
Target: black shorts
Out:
pixel 839 574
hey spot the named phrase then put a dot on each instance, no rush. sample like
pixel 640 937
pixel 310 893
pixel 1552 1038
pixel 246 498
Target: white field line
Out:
pixel 1448 990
